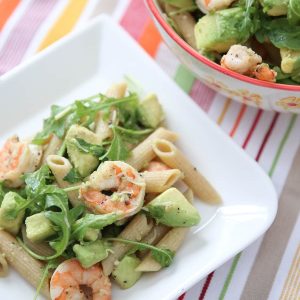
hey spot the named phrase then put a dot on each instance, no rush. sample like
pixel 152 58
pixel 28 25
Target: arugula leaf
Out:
pixel 73 176
pixel 2 192
pixel 132 136
pixel 85 147
pixel 293 14
pixel 163 256
pixel 280 33
pixel 118 149
pixel 91 221
pixel 81 112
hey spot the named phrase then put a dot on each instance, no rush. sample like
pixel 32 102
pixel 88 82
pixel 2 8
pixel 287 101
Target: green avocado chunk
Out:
pixel 91 253
pixel 38 227
pixel 85 163
pixel 219 30
pixel 150 112
pixel 275 7
pixel 171 208
pixel 290 60
pixel 91 234
pixel 124 272
pixel 10 219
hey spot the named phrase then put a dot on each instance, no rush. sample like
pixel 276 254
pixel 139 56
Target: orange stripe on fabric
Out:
pixel 150 38
pixel 7 7
pixel 65 23
pixel 224 111
pixel 238 120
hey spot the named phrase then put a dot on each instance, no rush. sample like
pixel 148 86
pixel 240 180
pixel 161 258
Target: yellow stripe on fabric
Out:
pixel 224 111
pixel 291 286
pixel 65 23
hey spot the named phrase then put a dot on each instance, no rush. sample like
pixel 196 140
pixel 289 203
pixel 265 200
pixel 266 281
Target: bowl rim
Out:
pixel 177 39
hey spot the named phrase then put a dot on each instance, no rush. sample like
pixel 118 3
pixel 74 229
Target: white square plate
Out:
pixel 85 63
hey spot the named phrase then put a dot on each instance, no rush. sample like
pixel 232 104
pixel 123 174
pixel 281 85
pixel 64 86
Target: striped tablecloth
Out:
pixel 270 267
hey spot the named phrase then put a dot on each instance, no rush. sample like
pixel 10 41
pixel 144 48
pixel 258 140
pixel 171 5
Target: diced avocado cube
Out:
pixel 275 7
pixel 171 208
pixel 38 227
pixel 124 272
pixel 91 234
pixel 10 218
pixel 150 112
pixel 90 254
pixel 85 163
pixel 290 60
pixel 219 30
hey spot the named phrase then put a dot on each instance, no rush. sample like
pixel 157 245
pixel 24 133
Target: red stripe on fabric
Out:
pixel 254 124
pixel 135 18
pixel 238 120
pixel 7 7
pixel 267 135
pixel 202 95
pixel 21 35
pixel 206 285
pixel 181 297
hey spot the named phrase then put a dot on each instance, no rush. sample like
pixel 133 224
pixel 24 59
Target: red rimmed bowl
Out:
pixel 261 94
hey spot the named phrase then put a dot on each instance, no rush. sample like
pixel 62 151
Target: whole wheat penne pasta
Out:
pixel 172 241
pixel 42 248
pixel 174 158
pixel 3 265
pixel 159 181
pixel 185 24
pixel 143 153
pixel 28 267
pixel 102 128
pixel 136 230
pixel 60 167
pixel 52 147
pixel 153 237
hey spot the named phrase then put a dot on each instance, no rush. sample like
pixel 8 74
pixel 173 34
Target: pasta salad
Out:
pixel 101 193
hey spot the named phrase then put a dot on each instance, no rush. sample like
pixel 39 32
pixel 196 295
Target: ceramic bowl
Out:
pixel 257 93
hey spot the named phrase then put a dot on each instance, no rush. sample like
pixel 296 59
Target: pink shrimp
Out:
pixel 155 165
pixel 263 72
pixel 114 187
pixel 17 158
pixel 71 281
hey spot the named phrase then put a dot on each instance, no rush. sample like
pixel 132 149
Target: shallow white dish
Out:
pixel 86 62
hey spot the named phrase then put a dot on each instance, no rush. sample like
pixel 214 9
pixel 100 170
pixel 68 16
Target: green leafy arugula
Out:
pixel 81 112
pixel 293 14
pixel 163 256
pixel 80 227
pixel 85 147
pixel 73 176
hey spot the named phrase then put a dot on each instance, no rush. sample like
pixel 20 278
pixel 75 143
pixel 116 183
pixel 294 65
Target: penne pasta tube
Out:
pixel 185 24
pixel 3 265
pixel 102 128
pixel 174 158
pixel 189 195
pixel 28 267
pixel 60 167
pixel 159 181
pixel 52 147
pixel 143 153
pixel 153 237
pixel 172 241
pixel 136 230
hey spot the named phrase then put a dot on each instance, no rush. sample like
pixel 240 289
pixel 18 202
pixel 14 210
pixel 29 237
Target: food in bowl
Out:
pixel 259 39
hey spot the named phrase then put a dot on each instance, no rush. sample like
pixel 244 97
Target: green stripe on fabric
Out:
pixel 229 276
pixel 184 78
pixel 271 172
pixel 281 145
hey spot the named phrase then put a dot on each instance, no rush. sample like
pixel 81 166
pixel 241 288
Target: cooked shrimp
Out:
pixel 263 72
pixel 208 5
pixel 71 281
pixel 114 187
pixel 155 165
pixel 16 159
pixel 240 59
